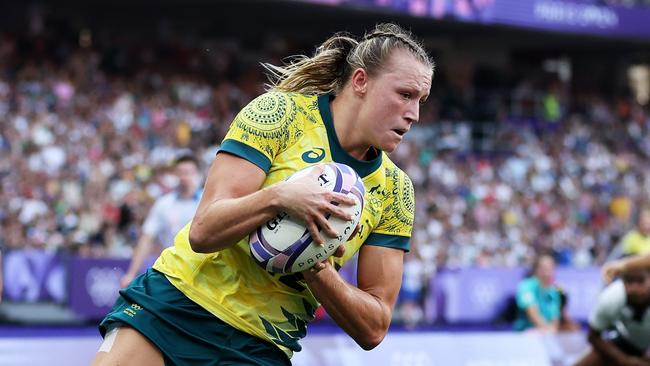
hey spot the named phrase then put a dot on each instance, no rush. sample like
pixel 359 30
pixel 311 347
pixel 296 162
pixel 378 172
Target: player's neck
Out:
pixel 344 115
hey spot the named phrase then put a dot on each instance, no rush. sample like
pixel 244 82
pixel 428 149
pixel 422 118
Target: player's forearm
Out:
pixel 224 222
pixel 361 315
pixel 639 262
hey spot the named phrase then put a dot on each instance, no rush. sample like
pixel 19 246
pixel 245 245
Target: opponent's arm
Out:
pixel 233 205
pixel 618 267
pixel 364 312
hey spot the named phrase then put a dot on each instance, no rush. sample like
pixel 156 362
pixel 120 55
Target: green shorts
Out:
pixel 184 332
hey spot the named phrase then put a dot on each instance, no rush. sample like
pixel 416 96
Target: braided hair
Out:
pixel 330 68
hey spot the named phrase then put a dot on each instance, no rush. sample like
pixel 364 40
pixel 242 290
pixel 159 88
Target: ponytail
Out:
pixel 332 64
pixel 323 73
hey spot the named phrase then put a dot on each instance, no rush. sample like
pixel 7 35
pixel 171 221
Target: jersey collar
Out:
pixel 362 167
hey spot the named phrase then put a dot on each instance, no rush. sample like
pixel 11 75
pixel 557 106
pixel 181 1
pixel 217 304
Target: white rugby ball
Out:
pixel 284 245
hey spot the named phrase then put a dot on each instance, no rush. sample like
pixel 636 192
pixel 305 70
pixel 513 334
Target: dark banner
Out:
pixel 552 15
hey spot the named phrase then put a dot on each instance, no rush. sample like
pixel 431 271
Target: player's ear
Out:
pixel 359 81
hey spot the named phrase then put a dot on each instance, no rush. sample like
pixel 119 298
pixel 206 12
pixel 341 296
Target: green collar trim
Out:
pixel 362 167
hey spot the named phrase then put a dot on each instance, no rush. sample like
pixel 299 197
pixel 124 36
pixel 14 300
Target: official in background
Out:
pixel 168 215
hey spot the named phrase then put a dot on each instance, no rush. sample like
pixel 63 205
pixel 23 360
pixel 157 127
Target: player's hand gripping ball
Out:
pixel 284 245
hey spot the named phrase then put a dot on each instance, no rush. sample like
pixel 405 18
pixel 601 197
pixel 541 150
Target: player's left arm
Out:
pixel 364 312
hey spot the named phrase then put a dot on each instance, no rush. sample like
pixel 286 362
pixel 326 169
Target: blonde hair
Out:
pixel 331 66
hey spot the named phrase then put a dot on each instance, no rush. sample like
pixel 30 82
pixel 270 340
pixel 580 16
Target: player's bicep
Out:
pixel 380 272
pixel 230 176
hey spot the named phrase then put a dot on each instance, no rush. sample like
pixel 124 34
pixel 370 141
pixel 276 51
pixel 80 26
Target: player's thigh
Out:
pixel 592 358
pixel 127 346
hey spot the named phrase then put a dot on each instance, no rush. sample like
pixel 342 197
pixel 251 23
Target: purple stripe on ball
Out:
pixel 298 247
pixel 279 263
pixel 267 246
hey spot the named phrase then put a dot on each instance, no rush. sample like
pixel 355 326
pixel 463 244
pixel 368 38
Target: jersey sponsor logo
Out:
pixel 314 155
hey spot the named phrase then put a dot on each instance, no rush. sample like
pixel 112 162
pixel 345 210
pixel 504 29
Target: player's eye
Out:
pixel 406 95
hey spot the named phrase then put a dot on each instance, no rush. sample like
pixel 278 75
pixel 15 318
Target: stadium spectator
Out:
pixel 538 299
pixel 637 241
pixel 168 215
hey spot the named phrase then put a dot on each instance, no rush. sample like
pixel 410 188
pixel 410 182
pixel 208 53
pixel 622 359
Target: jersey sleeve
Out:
pixel 603 315
pixel 526 295
pixel 396 223
pixel 262 129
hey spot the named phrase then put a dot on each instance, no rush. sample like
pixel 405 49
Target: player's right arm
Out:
pixel 233 205
pixel 615 268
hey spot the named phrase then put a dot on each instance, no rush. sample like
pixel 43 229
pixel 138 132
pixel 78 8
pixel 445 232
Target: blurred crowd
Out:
pixel 87 134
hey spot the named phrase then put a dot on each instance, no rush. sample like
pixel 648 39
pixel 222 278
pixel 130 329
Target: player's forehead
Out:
pixel 401 65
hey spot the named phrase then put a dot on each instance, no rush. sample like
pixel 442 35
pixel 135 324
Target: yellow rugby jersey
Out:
pixel 283 133
pixel 636 243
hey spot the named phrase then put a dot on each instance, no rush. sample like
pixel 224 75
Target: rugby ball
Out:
pixel 284 245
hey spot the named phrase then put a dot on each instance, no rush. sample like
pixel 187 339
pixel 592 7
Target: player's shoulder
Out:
pixel 270 114
pixel 399 198
pixel 396 178
pixel 613 296
pixel 632 236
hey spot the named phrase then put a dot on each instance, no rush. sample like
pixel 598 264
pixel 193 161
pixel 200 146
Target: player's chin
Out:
pixel 389 146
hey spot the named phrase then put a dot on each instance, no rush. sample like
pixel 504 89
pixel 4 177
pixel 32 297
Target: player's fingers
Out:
pixel 338 212
pixel 339 251
pixel 325 226
pixel 314 232
pixel 318 267
pixel 608 274
pixel 316 171
pixel 341 198
pixel 356 230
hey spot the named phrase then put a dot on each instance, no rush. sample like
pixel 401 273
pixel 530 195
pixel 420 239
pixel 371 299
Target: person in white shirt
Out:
pixel 619 326
pixel 168 214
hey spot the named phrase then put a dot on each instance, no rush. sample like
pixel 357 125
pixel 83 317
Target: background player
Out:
pixel 622 307
pixel 168 214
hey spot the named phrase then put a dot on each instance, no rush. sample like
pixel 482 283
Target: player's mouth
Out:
pixel 400 131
